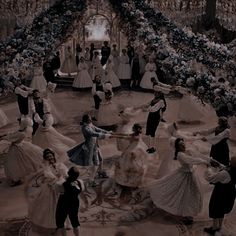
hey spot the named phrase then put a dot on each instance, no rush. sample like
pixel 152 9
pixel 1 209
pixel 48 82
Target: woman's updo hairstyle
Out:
pixel 137 128
pixel 85 119
pixel 46 152
pixel 73 173
pixel 177 149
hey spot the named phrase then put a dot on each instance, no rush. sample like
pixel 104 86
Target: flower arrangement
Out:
pixel 30 45
pixel 177 63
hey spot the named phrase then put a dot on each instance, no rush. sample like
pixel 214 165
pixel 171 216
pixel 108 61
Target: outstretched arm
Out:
pixel 193 159
pixel 217 138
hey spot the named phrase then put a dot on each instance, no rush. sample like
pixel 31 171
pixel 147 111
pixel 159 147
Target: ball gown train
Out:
pixel 42 192
pixel 38 81
pixel 131 167
pixel 190 110
pixel 150 71
pixel 22 157
pixel 83 79
pixel 179 192
pixel 111 76
pixel 108 113
pixel 124 69
pixel 48 137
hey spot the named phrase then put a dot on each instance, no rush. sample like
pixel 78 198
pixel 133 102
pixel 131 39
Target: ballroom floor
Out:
pixel 101 212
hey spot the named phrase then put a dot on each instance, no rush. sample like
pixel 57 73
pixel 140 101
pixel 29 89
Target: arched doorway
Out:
pixel 97 29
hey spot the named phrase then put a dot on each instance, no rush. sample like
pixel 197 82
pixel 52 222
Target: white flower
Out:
pixel 201 89
pixel 190 82
pixel 217 91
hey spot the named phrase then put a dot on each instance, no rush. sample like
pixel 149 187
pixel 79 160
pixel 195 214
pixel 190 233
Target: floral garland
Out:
pixel 203 85
pixel 211 54
pixel 32 44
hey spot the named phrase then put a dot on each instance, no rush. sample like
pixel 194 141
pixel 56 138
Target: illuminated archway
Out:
pixel 97 29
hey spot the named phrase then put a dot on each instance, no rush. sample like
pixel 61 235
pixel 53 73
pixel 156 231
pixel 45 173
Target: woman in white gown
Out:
pixel 108 113
pixel 48 137
pixel 42 192
pixel 150 72
pixel 69 66
pixel 22 157
pixel 179 192
pixel 110 74
pixel 166 147
pixel 83 79
pixel 3 118
pixel 96 66
pixel 57 117
pixel 142 61
pixel 125 127
pixel 38 81
pixel 115 58
pixel 132 165
pixel 190 111
pixel 124 69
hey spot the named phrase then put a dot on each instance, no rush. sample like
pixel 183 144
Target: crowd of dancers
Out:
pixel 47 162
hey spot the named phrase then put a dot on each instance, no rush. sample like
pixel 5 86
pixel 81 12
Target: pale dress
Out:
pixel 115 60
pixel 131 168
pixel 48 137
pixel 190 110
pixel 124 69
pixel 129 118
pixel 22 157
pixel 57 117
pixel 108 113
pixel 111 76
pixel 3 118
pixel 150 71
pixel 83 79
pixel 42 192
pixel 97 68
pixel 69 64
pixel 38 81
pixel 179 192
pixel 166 138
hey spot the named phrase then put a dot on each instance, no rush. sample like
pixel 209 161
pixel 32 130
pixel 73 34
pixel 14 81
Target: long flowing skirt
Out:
pixel 112 77
pixel 83 80
pixel 166 154
pixel 131 168
pixel 122 144
pixel 22 160
pixel 39 83
pixel 178 193
pixel 50 138
pixel 42 201
pixel 190 110
pixel 57 117
pixel 146 82
pixel 124 71
pixel 116 64
pixel 69 66
pixel 108 115
pixel 3 119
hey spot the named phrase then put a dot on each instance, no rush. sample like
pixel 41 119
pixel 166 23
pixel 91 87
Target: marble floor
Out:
pixel 101 212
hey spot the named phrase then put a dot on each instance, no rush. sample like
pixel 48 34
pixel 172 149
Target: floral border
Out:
pixel 176 65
